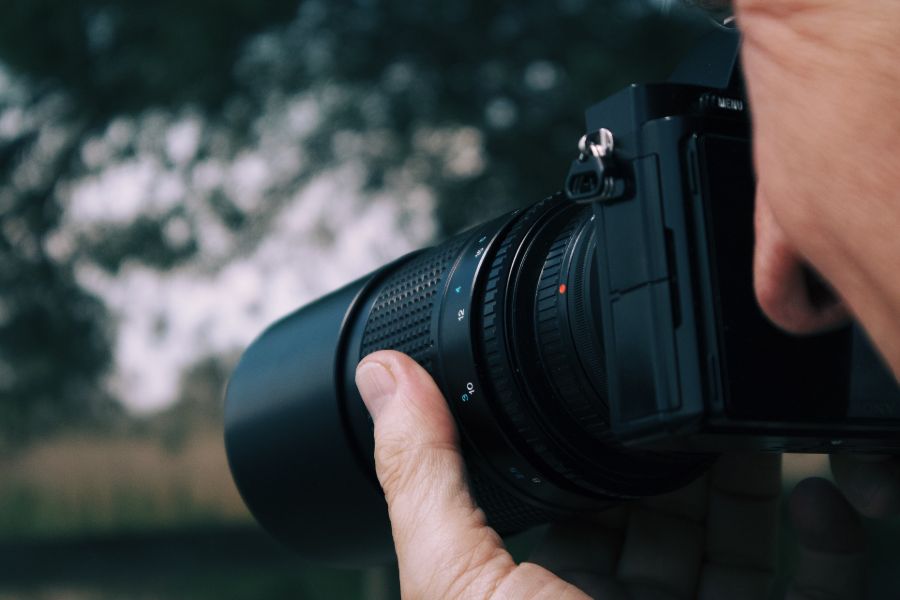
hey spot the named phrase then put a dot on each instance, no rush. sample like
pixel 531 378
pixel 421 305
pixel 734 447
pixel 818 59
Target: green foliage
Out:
pixel 515 76
pixel 143 238
pixel 520 73
pixel 54 343
pixel 122 55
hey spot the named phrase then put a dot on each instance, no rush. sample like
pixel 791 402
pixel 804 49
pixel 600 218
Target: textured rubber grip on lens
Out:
pixel 402 319
pixel 402 316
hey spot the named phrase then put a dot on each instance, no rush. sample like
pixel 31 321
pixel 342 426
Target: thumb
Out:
pixel 439 533
pixel 444 547
pixel 831 562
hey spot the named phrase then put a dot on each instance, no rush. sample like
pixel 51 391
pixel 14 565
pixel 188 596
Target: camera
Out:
pixel 601 345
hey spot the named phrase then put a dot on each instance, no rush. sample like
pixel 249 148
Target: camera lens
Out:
pixel 506 318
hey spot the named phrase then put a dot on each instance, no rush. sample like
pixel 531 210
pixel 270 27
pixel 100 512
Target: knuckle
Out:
pixel 478 571
pixel 392 458
pixel 401 463
pixel 534 582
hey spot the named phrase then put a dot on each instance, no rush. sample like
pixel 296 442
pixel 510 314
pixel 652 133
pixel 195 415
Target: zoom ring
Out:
pixel 402 319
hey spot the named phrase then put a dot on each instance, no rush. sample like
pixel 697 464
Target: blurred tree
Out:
pixel 199 406
pixel 107 57
pixel 121 55
pixel 520 74
pixel 480 101
pixel 54 342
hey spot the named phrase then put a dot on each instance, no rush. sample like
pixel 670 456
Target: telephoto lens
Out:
pixel 505 318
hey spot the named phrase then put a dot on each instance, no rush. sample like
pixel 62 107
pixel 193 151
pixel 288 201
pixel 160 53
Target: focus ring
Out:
pixel 497 357
pixel 566 454
pixel 560 289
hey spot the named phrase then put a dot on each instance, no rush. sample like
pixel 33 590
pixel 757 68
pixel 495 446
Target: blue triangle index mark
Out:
pixel 459 290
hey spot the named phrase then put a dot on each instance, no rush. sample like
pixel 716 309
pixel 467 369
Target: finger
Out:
pixel 790 294
pixel 580 547
pixel 742 527
pixel 663 549
pixel 690 502
pixel 871 484
pixel 585 554
pixel 438 532
pixel 662 554
pixel 831 562
pixel 444 547
pixel 600 587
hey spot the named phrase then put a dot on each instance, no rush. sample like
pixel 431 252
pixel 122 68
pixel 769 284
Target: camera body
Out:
pixel 600 345
pixel 692 362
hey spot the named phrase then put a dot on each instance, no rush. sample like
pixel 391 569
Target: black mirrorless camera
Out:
pixel 601 345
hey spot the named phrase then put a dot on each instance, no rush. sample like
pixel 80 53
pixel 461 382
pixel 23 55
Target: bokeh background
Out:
pixel 175 175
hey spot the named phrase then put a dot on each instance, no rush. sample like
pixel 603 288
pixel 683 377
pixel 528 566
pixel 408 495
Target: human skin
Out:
pixel 714 539
pixel 824 86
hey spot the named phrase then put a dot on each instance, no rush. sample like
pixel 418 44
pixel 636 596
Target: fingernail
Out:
pixel 376 385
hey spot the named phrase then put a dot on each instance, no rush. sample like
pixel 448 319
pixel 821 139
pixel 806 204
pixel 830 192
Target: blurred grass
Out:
pixel 90 485
pixel 104 518
pixel 281 580
pixel 79 485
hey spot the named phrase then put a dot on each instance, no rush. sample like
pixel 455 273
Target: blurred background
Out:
pixel 175 175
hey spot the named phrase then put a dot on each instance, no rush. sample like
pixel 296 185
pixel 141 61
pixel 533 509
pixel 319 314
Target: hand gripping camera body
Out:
pixel 600 345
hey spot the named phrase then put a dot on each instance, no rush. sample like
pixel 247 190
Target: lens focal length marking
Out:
pixel 463 376
pixel 454 327
pixel 461 380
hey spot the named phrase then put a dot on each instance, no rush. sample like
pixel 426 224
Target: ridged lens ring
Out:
pixel 545 366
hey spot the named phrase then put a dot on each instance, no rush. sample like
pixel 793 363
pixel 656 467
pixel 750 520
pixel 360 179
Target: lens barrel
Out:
pixel 505 318
pixel 287 439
